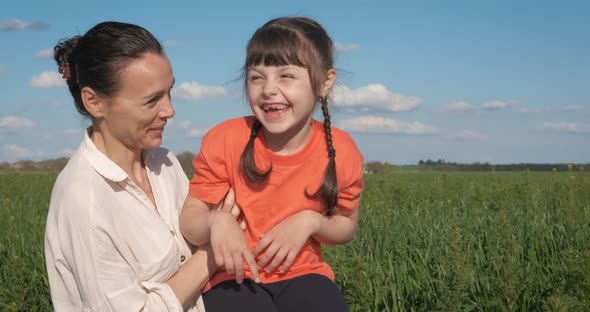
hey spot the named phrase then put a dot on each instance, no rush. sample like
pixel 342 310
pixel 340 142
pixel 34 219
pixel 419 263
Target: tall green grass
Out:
pixel 24 199
pixel 426 242
pixel 469 242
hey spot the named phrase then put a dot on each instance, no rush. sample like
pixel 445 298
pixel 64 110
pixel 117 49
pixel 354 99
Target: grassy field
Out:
pixel 426 242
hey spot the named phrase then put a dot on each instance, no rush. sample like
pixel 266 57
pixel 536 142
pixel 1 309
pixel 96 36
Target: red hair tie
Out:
pixel 64 70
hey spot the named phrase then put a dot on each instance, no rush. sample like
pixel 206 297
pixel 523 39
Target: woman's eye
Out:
pixel 287 76
pixel 153 101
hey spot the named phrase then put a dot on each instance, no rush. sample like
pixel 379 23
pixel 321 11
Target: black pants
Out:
pixel 307 293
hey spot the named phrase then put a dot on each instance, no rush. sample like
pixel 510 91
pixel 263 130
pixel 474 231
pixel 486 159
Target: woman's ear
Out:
pixel 92 102
pixel 329 82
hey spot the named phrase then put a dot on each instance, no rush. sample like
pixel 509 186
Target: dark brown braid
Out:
pixel 328 191
pixel 247 161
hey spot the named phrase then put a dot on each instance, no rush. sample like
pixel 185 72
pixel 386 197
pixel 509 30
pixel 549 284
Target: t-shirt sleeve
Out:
pixel 350 177
pixel 210 181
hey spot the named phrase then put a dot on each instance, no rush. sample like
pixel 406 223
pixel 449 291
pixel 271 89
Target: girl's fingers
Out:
pixel 251 262
pixel 277 260
pixel 229 265
pixel 218 258
pixel 288 262
pixel 268 255
pixel 238 268
pixel 262 244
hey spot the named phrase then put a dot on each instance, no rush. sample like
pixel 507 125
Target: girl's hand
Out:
pixel 230 246
pixel 284 241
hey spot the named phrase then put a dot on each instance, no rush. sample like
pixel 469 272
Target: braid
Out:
pixel 329 188
pixel 247 161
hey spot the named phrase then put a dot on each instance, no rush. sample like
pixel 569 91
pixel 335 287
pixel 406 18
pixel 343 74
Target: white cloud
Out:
pixel 377 124
pixel 185 124
pixel 17 151
pixel 46 53
pixel 467 136
pixel 497 105
pixel 341 48
pixel 567 127
pixel 67 152
pixel 14 24
pixel 463 106
pixel 459 106
pixel 528 110
pixel 48 79
pixel 197 133
pixel 573 108
pixel 74 132
pixel 13 122
pixel 375 96
pixel 193 91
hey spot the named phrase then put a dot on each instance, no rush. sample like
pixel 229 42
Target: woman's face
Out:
pixel 136 115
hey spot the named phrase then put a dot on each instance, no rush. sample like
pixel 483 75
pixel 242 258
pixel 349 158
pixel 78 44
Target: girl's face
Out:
pixel 136 115
pixel 282 99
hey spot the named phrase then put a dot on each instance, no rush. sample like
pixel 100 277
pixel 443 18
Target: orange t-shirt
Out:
pixel 217 168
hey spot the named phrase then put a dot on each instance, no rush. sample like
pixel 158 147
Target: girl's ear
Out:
pixel 92 102
pixel 329 82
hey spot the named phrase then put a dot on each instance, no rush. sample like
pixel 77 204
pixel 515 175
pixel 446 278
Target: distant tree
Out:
pixel 374 167
pixel 186 162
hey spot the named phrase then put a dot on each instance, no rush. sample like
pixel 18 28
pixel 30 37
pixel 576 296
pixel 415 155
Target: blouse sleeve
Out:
pixel 82 278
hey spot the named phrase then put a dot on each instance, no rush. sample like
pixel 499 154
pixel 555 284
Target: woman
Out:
pixel 112 239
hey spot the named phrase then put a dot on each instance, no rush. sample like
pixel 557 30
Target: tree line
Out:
pixel 186 159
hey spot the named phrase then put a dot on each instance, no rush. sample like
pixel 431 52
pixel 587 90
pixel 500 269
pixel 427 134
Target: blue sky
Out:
pixel 464 81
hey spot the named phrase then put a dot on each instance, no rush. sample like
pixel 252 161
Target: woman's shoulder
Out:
pixel 74 187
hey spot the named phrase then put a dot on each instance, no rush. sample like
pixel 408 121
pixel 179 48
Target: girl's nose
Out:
pixel 270 87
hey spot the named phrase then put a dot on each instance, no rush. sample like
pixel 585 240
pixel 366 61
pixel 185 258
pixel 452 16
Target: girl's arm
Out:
pixel 335 229
pixel 283 242
pixel 199 224
pixel 196 219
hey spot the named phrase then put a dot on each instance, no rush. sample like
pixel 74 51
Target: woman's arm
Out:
pixel 188 281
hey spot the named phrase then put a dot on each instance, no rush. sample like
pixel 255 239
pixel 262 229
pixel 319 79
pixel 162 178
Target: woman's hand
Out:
pixel 284 241
pixel 230 205
pixel 230 246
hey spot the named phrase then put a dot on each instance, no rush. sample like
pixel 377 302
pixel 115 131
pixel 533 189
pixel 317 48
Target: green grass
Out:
pixel 426 242
pixel 469 242
pixel 24 199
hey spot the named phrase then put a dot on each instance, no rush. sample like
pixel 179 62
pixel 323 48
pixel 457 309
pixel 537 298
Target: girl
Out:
pixel 282 164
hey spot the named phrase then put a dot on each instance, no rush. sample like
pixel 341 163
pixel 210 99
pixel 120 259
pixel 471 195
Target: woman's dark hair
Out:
pixel 302 42
pixel 97 58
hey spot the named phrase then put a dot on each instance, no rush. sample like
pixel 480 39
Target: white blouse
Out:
pixel 107 248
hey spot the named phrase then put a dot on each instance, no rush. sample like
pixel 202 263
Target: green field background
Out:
pixel 427 241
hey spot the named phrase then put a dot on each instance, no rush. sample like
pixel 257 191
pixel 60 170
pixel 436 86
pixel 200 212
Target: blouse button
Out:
pixel 172 232
pixel 182 258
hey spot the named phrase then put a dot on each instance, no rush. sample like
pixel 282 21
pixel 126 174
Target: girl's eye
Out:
pixel 287 76
pixel 255 77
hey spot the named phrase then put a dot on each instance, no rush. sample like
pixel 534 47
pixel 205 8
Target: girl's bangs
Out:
pixel 275 47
